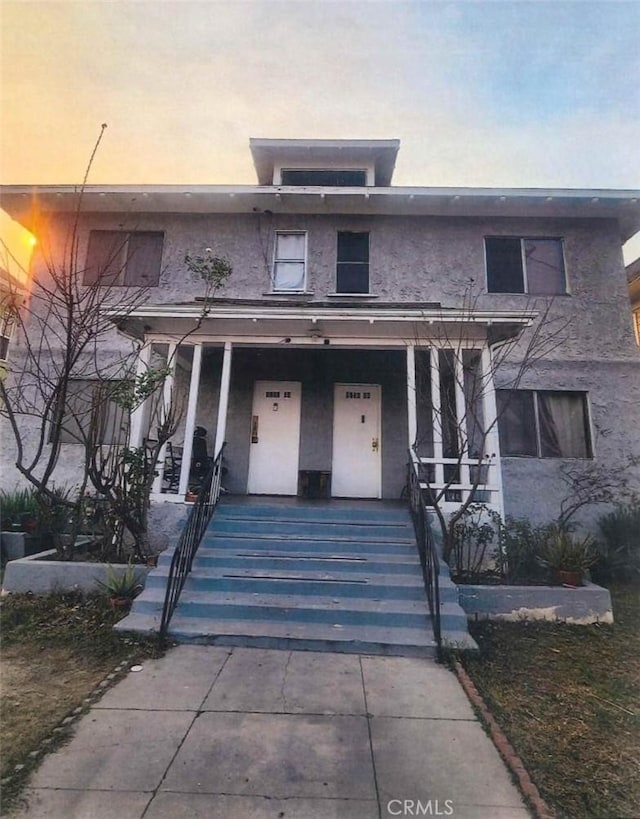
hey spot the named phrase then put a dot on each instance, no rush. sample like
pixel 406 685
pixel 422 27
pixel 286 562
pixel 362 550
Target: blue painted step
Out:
pixel 338 576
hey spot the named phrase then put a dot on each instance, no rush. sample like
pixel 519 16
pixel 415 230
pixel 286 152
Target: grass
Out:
pixel 568 699
pixel 55 651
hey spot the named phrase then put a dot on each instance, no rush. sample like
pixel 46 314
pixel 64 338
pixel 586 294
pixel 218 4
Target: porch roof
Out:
pixel 308 323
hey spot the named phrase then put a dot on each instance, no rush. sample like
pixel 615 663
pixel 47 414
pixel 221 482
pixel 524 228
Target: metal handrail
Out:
pixel 190 539
pixel 429 557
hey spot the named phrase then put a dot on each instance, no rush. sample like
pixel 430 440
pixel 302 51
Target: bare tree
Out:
pixel 64 384
pixel 464 415
pixel 124 472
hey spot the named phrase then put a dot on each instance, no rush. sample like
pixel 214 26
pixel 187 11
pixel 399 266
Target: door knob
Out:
pixel 374 444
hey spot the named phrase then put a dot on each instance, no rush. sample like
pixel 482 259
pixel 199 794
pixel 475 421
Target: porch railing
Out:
pixel 429 557
pixel 192 534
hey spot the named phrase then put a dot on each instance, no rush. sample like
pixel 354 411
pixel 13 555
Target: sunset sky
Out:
pixel 531 94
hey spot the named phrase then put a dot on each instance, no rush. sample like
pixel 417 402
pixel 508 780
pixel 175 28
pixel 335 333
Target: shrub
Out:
pixel 619 544
pixel 475 540
pixel 520 543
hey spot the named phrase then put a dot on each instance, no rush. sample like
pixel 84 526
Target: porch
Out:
pixel 325 416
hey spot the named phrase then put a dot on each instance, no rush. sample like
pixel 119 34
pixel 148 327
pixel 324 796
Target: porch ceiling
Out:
pixel 308 324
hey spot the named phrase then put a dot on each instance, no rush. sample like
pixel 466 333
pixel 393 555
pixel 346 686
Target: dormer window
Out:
pixel 329 177
pixel 289 262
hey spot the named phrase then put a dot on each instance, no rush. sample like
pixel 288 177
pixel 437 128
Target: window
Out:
pixel 333 178
pixel 88 403
pixel 534 266
pixel 353 263
pixel 289 264
pixel 544 424
pixel 116 257
pixel 6 329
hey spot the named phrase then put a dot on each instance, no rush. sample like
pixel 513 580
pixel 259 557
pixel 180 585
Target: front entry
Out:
pixel 356 464
pixel 275 438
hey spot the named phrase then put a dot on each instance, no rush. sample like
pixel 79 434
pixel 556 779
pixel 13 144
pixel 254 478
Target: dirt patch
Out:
pixel 55 651
pixel 40 686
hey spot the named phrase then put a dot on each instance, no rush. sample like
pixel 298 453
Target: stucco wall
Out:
pixel 428 259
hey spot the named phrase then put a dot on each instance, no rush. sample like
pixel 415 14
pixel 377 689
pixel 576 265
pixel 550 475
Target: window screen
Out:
pixel 115 257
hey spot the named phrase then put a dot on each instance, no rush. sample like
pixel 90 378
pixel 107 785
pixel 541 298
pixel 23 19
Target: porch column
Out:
pixel 412 417
pixel 462 422
pixel 492 442
pixel 167 394
pixel 190 419
pixel 137 415
pixel 436 415
pixel 223 403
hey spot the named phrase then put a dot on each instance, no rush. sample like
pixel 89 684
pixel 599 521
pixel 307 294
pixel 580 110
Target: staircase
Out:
pixel 318 575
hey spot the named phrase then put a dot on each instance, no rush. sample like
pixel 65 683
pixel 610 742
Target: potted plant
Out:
pixel 121 587
pixel 567 557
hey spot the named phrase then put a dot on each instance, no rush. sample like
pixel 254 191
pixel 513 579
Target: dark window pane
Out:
pixel 352 277
pixel 545 267
pixel 105 257
pixel 504 265
pixel 353 247
pixel 329 178
pixel 474 388
pixel 448 409
pixel 516 422
pixel 144 257
pixel 424 409
pixel 564 431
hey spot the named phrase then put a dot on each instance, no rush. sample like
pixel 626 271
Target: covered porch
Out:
pixel 325 402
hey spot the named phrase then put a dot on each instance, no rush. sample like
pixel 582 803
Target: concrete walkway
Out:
pixel 217 733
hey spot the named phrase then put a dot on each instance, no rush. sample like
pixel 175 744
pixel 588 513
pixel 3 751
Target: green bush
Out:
pixel 619 544
pixel 520 544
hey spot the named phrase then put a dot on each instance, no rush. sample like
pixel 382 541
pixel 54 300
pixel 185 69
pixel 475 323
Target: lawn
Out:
pixel 568 699
pixel 55 651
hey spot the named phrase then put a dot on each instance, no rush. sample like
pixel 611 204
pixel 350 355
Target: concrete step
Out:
pixel 281 528
pixel 319 511
pixel 212 558
pixel 336 545
pixel 309 636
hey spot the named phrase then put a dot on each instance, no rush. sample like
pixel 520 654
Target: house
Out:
pixel 359 316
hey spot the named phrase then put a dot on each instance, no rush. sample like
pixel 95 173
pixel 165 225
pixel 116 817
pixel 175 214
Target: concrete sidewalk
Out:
pixel 218 733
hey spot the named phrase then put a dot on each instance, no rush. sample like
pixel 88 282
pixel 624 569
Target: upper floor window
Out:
pixel 117 257
pixel 534 266
pixel 330 177
pixel 289 263
pixel 352 275
pixel 544 424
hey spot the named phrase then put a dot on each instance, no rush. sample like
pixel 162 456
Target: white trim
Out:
pixel 223 403
pixel 190 419
pixel 167 390
pixel 412 413
pixel 462 430
pixel 281 312
pixel 490 414
pixel 278 291
pixel 137 415
pixel 436 414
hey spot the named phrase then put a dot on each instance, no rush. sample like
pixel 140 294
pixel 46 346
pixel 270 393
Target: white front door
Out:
pixel 356 465
pixel 275 438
